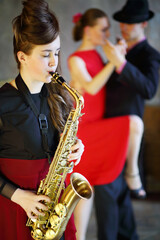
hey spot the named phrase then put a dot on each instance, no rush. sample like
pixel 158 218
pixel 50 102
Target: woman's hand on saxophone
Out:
pixel 30 202
pixel 76 152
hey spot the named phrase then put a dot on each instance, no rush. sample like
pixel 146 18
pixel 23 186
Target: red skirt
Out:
pixel 27 175
pixel 106 143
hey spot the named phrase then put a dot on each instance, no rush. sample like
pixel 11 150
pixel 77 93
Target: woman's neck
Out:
pixel 86 45
pixel 34 86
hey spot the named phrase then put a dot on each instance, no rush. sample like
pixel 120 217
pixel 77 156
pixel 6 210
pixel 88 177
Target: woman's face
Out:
pixel 100 32
pixel 42 60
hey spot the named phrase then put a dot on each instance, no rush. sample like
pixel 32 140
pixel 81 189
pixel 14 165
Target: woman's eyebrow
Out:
pixel 49 50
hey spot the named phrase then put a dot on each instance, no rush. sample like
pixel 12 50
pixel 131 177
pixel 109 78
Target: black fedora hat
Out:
pixel 134 11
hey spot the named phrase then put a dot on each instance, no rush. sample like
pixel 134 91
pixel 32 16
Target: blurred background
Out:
pixel 64 10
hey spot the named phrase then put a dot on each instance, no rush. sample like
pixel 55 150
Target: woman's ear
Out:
pixel 87 31
pixel 21 57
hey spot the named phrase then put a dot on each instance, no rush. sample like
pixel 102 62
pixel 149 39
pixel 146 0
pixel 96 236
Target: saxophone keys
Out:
pixel 63 163
pixel 37 234
pixel 50 234
pixel 43 219
pixel 60 210
pixel 54 221
pixel 70 167
pixel 60 213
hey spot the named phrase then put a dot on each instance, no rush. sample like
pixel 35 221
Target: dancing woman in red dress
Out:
pixel 106 140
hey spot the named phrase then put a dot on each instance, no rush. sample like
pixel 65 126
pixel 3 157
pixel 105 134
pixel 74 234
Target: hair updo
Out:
pixel 36 25
pixel 87 19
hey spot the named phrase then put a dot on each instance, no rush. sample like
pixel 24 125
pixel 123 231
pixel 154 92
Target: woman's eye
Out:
pixel 50 54
pixel 46 55
pixel 56 54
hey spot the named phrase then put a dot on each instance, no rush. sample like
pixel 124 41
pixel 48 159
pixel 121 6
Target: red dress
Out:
pixel 23 162
pixel 26 174
pixel 105 140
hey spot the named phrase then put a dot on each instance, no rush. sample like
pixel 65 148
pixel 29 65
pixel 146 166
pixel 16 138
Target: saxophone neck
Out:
pixel 75 94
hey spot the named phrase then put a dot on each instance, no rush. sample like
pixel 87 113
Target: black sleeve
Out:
pixel 6 188
pixel 144 82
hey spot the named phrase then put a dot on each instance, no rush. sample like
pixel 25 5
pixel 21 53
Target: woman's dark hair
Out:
pixel 89 18
pixel 37 25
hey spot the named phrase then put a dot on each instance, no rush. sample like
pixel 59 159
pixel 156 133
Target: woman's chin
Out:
pixel 48 79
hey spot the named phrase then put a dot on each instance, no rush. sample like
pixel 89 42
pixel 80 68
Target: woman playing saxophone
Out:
pixel 27 141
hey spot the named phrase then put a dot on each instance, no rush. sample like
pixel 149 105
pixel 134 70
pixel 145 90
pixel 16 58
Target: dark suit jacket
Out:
pixel 126 92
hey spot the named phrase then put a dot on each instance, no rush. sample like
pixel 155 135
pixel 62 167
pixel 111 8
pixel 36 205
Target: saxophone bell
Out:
pixel 81 186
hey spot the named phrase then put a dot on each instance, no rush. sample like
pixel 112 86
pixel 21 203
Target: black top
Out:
pixel 127 92
pixel 20 136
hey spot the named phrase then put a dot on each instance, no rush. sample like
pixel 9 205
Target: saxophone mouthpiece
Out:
pixel 57 77
pixel 51 73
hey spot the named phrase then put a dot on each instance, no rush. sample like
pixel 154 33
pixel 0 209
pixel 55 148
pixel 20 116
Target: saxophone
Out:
pixel 63 200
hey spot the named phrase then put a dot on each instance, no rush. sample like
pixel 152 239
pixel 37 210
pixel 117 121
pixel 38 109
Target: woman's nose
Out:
pixel 52 61
pixel 107 33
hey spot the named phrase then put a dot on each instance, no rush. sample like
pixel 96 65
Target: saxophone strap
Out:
pixel 42 119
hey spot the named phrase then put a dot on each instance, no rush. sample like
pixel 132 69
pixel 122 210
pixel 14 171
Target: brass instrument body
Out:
pixel 63 200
